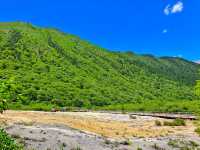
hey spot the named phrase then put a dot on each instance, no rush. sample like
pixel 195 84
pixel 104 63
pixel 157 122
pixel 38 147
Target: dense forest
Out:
pixel 49 66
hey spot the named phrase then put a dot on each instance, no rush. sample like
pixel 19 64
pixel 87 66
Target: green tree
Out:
pixel 3 105
pixel 197 88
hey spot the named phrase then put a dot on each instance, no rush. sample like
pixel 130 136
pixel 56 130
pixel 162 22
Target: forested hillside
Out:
pixel 45 65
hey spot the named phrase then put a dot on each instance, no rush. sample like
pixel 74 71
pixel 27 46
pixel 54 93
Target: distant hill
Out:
pixel 46 65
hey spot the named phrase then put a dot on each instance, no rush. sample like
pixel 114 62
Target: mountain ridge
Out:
pixel 46 65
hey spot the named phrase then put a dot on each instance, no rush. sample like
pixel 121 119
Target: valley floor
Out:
pixel 95 131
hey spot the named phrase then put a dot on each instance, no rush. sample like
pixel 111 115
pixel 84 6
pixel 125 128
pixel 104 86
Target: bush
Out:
pixel 76 148
pixel 197 130
pixel 126 142
pixel 156 147
pixel 3 105
pixel 158 123
pixel 6 143
pixel 32 106
pixel 176 122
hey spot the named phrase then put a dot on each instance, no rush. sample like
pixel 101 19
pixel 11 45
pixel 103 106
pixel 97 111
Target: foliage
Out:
pixel 47 66
pixel 6 143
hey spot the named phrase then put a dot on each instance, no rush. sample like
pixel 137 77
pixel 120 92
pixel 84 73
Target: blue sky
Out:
pixel 159 27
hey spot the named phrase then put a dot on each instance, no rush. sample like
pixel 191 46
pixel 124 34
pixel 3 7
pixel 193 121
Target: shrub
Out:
pixel 6 143
pixel 76 148
pixel 3 105
pixel 108 142
pixel 126 142
pixel 158 123
pixel 194 144
pixel 176 122
pixel 197 130
pixel 173 143
pixel 123 110
pixel 156 147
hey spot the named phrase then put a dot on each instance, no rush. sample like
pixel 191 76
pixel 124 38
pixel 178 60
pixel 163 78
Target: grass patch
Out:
pixel 173 143
pixel 76 148
pixel 183 145
pixel 176 122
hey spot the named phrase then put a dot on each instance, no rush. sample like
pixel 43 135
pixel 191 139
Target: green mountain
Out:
pixel 46 65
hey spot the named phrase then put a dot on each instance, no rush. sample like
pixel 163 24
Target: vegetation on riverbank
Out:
pixel 186 106
pixel 7 143
pixel 144 106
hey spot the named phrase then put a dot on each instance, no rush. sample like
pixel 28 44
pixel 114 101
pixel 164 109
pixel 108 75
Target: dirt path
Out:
pixel 89 130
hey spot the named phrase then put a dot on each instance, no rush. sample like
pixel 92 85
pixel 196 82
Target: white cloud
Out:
pixel 167 10
pixel 176 8
pixel 164 31
pixel 179 56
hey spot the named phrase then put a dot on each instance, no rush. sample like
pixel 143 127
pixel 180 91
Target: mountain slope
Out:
pixel 46 65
